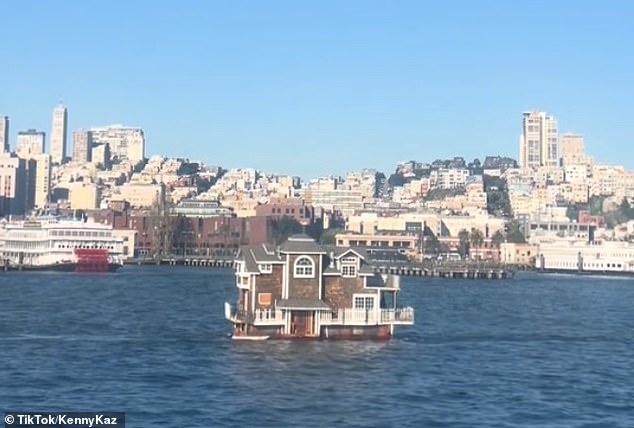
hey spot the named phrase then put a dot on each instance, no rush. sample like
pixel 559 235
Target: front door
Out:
pixel 302 323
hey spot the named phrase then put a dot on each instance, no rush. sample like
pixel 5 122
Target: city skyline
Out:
pixel 349 86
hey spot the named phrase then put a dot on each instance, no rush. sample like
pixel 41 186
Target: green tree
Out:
pixel 396 180
pixel 497 239
pixel 285 227
pixel 476 238
pixel 328 236
pixel 514 233
pixel 463 238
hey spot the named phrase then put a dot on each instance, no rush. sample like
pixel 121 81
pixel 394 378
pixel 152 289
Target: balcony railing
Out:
pixel 352 317
pixel 257 317
pixel 403 316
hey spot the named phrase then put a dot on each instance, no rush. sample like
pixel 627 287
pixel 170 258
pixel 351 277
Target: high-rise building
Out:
pixel 539 142
pixel 126 143
pixel 58 134
pixel 4 134
pixel 82 146
pixel 571 147
pixel 42 180
pixel 30 143
pixel 12 185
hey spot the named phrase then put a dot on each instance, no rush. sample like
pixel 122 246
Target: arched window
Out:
pixel 304 267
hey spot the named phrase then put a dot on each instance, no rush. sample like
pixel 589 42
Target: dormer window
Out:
pixel 304 267
pixel 266 268
pixel 348 271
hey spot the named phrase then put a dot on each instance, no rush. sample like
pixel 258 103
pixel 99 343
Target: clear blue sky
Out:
pixel 315 88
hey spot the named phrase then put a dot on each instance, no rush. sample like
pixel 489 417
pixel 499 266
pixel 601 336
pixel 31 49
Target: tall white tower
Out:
pixel 539 142
pixel 58 134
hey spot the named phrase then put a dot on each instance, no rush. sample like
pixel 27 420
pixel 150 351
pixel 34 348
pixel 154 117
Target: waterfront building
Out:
pixel 125 143
pixel 30 143
pixel 301 290
pixel 539 142
pixel 59 131
pixel 4 134
pixel 82 146
pixel 12 184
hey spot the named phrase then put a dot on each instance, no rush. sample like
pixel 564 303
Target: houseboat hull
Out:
pixel 381 332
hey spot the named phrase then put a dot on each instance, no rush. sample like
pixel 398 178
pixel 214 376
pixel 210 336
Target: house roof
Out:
pixel 302 304
pixel 301 244
pixel 375 280
pixel 265 253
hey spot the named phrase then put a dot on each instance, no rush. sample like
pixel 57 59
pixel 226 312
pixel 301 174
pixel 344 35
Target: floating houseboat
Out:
pixel 301 290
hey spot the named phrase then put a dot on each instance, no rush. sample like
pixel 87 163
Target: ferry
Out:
pixel 586 257
pixel 301 290
pixel 57 244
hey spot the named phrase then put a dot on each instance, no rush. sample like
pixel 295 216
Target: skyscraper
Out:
pixel 4 134
pixel 58 134
pixel 539 142
pixel 82 146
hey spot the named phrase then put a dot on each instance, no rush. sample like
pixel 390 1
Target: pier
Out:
pixel 450 270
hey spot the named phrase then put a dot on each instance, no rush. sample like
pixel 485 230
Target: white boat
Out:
pixel 52 243
pixel 583 257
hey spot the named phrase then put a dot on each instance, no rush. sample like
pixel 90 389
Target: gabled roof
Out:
pixel 344 251
pixel 246 255
pixel 301 244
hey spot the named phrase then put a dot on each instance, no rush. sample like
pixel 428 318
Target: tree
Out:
pixel 463 237
pixel 514 233
pixel 432 244
pixel 285 227
pixel 396 180
pixel 328 236
pixel 162 226
pixel 477 238
pixel 497 238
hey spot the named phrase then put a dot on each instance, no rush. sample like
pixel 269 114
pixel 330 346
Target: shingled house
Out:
pixel 303 290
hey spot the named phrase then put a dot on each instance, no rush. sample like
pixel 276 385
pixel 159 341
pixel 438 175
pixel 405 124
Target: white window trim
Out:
pixel 348 275
pixel 303 275
pixel 266 268
pixel 364 297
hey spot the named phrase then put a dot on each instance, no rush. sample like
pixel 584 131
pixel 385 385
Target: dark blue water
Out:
pixel 535 351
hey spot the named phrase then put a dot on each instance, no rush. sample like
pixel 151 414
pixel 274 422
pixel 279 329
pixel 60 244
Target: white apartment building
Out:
pixel 539 142
pixel 577 173
pixel 30 143
pixel 449 178
pixel 58 134
pixel 126 143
